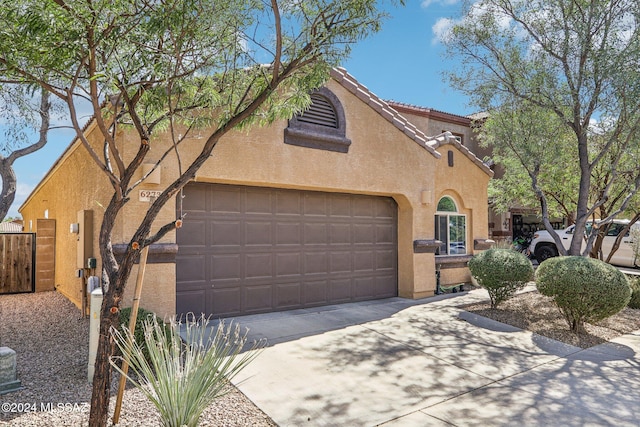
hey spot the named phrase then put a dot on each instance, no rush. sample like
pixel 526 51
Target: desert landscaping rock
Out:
pixel 51 341
pixel 537 313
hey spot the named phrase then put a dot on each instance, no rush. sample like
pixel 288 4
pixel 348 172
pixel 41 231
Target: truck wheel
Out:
pixel 545 252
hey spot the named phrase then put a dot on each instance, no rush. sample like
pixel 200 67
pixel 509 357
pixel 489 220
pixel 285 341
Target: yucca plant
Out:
pixel 182 378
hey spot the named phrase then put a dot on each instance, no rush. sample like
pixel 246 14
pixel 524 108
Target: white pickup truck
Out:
pixel 543 246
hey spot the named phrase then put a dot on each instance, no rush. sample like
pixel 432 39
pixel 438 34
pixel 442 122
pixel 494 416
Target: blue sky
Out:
pixel 404 62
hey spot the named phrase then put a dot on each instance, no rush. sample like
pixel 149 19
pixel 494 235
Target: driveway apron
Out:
pixel 398 362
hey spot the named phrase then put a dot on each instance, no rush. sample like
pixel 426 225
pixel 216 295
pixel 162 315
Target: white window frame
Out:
pixel 446 245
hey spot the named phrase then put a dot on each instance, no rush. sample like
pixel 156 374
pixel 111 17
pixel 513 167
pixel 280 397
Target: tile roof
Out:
pixel 431 144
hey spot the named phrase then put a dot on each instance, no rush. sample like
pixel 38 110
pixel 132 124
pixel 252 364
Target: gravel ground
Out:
pixel 51 340
pixel 537 313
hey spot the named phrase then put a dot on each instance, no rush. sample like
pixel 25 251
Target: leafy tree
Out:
pixel 22 113
pixel 575 60
pixel 532 146
pixel 165 66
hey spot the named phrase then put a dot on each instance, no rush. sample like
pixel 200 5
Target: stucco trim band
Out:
pixel 446 261
pixel 482 244
pixel 426 246
pixel 303 137
pixel 159 253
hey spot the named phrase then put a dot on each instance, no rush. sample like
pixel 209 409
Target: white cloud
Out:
pixel 427 3
pixel 442 28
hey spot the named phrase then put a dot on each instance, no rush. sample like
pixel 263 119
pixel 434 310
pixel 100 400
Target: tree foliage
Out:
pixel 176 66
pixel 572 59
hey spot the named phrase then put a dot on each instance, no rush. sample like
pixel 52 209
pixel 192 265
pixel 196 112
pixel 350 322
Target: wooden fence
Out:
pixel 17 259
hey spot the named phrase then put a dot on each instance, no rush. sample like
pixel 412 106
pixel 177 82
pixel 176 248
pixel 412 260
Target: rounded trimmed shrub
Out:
pixel 634 302
pixel 584 289
pixel 501 272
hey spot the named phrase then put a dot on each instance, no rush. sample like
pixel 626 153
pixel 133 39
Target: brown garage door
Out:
pixel 245 250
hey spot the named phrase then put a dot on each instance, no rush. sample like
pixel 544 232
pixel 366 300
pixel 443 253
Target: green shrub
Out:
pixel 584 289
pixel 501 272
pixel 634 282
pixel 125 315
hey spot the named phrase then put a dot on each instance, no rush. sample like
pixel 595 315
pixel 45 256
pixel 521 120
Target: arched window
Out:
pixel 451 228
pixel 321 126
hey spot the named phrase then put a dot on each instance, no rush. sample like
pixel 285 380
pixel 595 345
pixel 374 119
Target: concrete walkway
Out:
pixel 398 362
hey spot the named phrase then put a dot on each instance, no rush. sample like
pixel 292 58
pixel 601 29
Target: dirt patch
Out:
pixel 537 313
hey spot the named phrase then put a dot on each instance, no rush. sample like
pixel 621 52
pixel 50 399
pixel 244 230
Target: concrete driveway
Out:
pixel 398 362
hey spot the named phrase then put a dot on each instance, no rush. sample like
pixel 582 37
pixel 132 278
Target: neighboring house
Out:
pixel 12 226
pixel 342 203
pixel 432 122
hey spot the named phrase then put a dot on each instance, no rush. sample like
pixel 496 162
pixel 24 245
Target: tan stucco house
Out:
pixel 346 202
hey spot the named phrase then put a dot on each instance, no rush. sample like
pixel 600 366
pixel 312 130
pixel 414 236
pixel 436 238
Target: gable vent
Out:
pixel 320 112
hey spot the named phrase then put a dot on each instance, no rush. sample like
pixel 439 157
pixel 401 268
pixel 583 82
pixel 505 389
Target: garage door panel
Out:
pixel 288 203
pixel 363 234
pixel 316 292
pixel 288 233
pixel 195 232
pixel 193 268
pixel 288 295
pixel 386 210
pixel 225 302
pixel 340 206
pixel 258 233
pixel 385 234
pixel 316 234
pixel 258 202
pixel 288 264
pixel 362 261
pixel 341 262
pixel 225 266
pixel 258 265
pixel 192 301
pixel 364 287
pixel 363 208
pixel 316 263
pixel 196 202
pixel 340 290
pixel 254 250
pixel 315 205
pixel 258 298
pixel 385 260
pixel 226 233
pixel 382 286
pixel 226 201
pixel 340 234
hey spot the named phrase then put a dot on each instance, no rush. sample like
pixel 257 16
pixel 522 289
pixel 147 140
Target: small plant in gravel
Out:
pixel 584 289
pixel 634 282
pixel 182 378
pixel 501 272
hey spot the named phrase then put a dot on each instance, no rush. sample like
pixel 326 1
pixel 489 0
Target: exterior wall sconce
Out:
pixel 426 197
pixel 154 177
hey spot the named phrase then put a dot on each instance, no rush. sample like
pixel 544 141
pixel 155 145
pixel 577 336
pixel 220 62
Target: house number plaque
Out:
pixel 147 195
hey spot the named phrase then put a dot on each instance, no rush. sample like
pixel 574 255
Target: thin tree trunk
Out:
pixel 583 194
pixel 8 195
